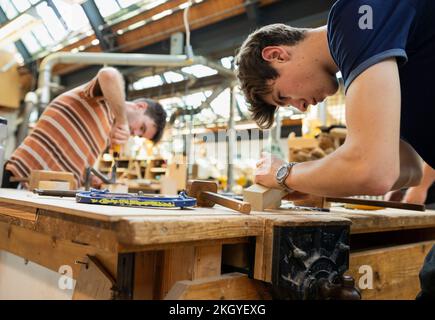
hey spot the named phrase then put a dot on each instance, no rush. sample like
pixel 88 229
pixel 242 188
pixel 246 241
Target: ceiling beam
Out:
pixel 107 41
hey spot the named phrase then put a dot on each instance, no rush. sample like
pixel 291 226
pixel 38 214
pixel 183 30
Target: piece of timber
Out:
pixel 137 226
pixel 232 286
pixel 379 203
pixel 94 281
pixel 391 272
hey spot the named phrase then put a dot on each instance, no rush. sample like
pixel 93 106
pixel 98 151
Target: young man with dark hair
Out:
pixel 385 50
pixel 78 125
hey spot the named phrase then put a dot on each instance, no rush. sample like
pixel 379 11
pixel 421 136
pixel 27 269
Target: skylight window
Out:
pixel 21 5
pixel 172 77
pixel 54 26
pixel 107 7
pixel 199 71
pixel 148 82
pixel 30 42
pixel 9 9
pixel 73 14
pixel 194 99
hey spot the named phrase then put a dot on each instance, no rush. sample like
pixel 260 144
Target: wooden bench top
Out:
pixel 144 226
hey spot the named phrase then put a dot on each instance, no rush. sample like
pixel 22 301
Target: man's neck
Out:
pixel 318 41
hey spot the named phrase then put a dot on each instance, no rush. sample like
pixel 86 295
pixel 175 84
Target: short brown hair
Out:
pixel 156 112
pixel 253 71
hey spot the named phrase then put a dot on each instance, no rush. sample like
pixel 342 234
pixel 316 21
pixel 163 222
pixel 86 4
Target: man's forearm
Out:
pixel 340 174
pixel 428 177
pixel 112 86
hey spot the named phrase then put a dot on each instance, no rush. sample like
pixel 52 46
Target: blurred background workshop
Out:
pixel 139 97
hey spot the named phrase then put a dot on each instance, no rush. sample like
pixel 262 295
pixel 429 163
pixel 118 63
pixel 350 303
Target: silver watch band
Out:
pixel 290 166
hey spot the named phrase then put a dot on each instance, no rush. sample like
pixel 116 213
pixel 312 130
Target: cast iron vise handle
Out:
pixel 343 290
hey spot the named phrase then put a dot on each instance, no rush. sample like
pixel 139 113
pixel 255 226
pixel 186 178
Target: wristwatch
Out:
pixel 282 174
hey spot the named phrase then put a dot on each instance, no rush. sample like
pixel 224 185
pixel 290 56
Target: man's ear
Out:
pixel 275 54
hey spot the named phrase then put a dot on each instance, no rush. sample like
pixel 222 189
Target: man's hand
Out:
pixel 267 167
pixel 120 133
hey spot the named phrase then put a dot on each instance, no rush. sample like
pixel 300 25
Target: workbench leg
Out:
pixel 125 276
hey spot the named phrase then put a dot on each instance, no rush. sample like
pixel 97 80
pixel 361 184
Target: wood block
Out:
pixel 177 171
pixel 58 176
pixel 262 198
pixel 54 185
pixel 232 286
pixel 168 186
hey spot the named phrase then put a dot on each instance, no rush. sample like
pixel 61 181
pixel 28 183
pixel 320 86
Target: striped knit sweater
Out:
pixel 69 136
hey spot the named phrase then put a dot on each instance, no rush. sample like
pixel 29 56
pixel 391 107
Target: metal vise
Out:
pixel 309 264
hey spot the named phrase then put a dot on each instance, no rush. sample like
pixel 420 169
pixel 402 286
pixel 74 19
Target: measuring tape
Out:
pixel 104 197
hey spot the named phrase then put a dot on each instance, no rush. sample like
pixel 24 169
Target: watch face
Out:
pixel 281 172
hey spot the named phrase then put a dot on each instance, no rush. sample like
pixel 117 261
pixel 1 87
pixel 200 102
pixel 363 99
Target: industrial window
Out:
pixel 73 15
pixel 107 7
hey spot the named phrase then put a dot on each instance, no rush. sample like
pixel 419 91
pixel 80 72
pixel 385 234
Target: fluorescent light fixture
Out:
pixel 13 30
pixel 184 5
pixel 136 25
pixel 161 14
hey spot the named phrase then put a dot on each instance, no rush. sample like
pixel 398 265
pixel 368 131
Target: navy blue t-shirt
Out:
pixel 404 29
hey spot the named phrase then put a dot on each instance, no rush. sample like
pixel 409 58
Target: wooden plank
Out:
pixel 259 263
pixel 208 260
pixel 363 221
pixel 48 251
pixel 187 263
pixel 61 227
pixel 92 283
pixel 69 206
pixel 145 275
pixel 18 211
pixel 395 270
pixel 160 230
pixel 177 264
pixel 155 247
pixel 232 286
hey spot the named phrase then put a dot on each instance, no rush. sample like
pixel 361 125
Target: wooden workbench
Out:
pixel 163 253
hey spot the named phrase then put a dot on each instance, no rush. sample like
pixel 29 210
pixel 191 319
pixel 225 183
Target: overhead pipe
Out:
pixel 120 59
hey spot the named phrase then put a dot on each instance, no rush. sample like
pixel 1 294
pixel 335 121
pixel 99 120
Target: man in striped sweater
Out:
pixel 78 125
